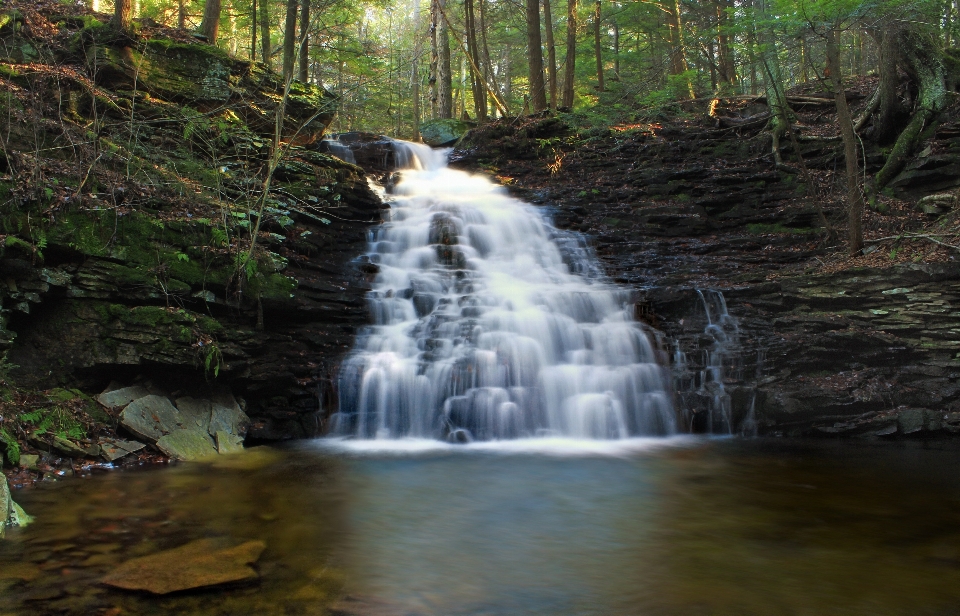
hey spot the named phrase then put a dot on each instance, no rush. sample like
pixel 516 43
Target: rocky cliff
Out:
pixel 818 343
pixel 136 237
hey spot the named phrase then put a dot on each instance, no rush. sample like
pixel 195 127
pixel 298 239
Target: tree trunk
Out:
pixel 535 56
pixel 726 66
pixel 304 41
pixel 551 54
pixel 415 74
pixel 597 50
pixel 265 31
pixel 776 97
pixel 435 18
pixel 616 51
pixel 182 14
pixel 850 149
pixel 890 118
pixel 289 40
pixel 121 14
pixel 253 30
pixel 476 82
pixel 571 55
pixel 444 71
pixel 210 25
pixel 924 62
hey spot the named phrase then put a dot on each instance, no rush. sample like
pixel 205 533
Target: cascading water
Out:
pixel 491 324
pixel 705 390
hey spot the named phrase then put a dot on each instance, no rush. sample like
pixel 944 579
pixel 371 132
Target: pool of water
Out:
pixel 678 526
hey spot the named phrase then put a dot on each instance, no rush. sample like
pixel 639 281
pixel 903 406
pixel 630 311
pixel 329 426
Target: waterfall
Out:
pixel 703 393
pixel 489 323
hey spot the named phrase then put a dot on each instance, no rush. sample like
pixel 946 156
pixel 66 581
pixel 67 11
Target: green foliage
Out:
pixel 11 447
pixel 213 360
pixel 58 421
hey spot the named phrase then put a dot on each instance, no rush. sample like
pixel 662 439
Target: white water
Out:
pixel 490 324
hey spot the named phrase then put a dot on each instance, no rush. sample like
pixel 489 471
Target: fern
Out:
pixel 11 446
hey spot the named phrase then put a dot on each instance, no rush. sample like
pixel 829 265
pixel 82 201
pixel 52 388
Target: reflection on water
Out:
pixel 660 527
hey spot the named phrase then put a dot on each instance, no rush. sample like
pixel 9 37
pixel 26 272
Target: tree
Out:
pixel 596 47
pixel 444 73
pixel 265 31
pixel 289 39
pixel 538 96
pixel 551 54
pixel 122 10
pixel 210 25
pixel 304 41
pixel 571 55
pixel 850 148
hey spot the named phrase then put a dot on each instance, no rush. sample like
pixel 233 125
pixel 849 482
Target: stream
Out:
pixel 641 526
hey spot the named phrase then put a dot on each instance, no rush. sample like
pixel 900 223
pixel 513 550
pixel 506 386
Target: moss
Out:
pixel 763 229
pixel 209 325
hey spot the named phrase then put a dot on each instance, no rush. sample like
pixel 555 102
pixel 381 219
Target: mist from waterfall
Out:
pixel 489 323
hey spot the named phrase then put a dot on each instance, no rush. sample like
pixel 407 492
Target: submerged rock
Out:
pixel 197 564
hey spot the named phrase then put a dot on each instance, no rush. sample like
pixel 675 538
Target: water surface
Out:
pixel 655 526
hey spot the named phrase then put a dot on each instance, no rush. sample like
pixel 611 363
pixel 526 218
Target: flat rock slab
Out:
pixel 150 417
pixel 122 396
pixel 226 416
pixel 113 449
pixel 187 444
pixel 195 412
pixel 197 564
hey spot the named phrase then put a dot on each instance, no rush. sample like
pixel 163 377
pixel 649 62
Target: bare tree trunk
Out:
pixel 210 26
pixel 478 88
pixel 776 97
pixel 891 114
pixel 435 18
pixel 415 73
pixel 571 55
pixel 616 51
pixel 182 14
pixel 551 54
pixel 265 31
pixel 121 14
pixel 597 50
pixel 444 71
pixel 535 56
pixel 289 39
pixel 725 62
pixel 253 30
pixel 304 41
pixel 850 149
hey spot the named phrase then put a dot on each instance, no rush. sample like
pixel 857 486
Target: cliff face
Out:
pixel 136 237
pixel 819 343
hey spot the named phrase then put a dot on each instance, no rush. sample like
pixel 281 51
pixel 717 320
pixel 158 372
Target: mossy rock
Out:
pixel 443 132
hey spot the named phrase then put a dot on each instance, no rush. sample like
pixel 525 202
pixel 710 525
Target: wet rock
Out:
pixel 197 564
pixel 443 132
pixel 29 461
pixel 195 412
pixel 114 449
pixel 227 416
pixel 187 444
pixel 228 443
pixel 122 396
pixel 11 514
pixel 150 417
pixel 911 420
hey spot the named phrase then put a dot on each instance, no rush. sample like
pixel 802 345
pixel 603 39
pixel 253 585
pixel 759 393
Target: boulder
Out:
pixel 11 514
pixel 187 444
pixel 122 396
pixel 443 132
pixel 197 564
pixel 150 417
